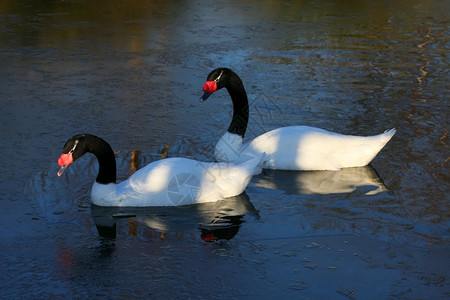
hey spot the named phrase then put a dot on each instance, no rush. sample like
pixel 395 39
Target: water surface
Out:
pixel 132 73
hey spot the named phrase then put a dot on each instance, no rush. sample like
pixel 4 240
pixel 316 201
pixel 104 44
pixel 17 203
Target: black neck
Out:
pixel 238 95
pixel 106 159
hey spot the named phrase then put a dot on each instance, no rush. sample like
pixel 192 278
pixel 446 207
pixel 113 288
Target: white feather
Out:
pixel 303 148
pixel 177 181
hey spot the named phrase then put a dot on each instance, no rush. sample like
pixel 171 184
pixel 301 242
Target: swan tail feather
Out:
pixel 254 165
pixel 388 134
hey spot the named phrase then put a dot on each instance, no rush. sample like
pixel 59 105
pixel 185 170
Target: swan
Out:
pixel 168 182
pixel 287 148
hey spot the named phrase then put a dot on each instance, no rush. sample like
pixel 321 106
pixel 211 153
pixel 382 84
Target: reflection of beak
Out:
pixel 205 96
pixel 61 171
pixel 208 237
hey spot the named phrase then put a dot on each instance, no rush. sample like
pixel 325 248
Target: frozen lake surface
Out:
pixel 132 73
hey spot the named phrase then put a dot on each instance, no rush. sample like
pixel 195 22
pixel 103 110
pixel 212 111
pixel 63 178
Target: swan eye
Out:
pixel 210 87
pixel 218 78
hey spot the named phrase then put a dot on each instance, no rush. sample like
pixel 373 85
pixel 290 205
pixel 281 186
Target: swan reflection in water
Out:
pixel 346 180
pixel 213 221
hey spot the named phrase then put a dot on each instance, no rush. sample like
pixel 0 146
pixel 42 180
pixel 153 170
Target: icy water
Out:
pixel 132 72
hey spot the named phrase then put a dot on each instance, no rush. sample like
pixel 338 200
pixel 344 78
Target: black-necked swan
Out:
pixel 167 182
pixel 287 148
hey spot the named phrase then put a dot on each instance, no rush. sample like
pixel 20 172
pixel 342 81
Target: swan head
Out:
pixel 74 148
pixel 216 80
pixel 79 144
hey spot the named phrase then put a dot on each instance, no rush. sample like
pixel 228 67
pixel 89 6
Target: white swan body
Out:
pixel 287 148
pixel 303 148
pixel 168 182
pixel 177 181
